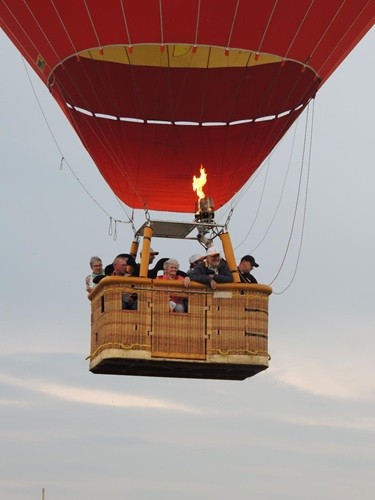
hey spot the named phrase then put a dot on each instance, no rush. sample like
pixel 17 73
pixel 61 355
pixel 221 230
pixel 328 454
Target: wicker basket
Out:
pixel 223 334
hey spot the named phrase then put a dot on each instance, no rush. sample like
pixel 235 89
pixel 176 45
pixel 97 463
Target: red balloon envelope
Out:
pixel 155 88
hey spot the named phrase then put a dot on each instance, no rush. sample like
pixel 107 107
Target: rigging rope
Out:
pixel 64 27
pixel 233 23
pixel 120 162
pixel 259 204
pixel 304 209
pixel 125 22
pixel 299 28
pixel 332 51
pixel 63 160
pixel 110 150
pixel 92 24
pixel 296 205
pixel 282 189
pixel 266 28
pixel 197 23
pixel 35 19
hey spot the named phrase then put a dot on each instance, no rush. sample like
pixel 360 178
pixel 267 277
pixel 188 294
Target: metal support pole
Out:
pixel 229 256
pixel 134 248
pixel 145 255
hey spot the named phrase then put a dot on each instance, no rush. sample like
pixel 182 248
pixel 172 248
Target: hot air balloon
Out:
pixel 154 89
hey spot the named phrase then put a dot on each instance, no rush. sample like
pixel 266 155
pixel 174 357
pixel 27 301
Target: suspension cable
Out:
pixel 266 28
pixel 333 49
pixel 241 193
pixel 63 159
pixel 259 204
pixel 304 208
pixel 109 149
pixel 282 189
pixel 299 28
pixel 297 200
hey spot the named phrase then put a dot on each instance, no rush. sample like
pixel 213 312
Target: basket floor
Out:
pixel 176 369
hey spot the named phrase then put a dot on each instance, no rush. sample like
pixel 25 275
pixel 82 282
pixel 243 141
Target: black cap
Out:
pixel 250 258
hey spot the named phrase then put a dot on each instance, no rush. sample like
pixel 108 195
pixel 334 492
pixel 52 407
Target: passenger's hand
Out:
pixel 186 281
pixel 213 284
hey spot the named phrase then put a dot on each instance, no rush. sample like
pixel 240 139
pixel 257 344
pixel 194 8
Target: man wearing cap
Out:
pixel 194 261
pixel 245 267
pixel 152 256
pixel 212 270
pixel 151 273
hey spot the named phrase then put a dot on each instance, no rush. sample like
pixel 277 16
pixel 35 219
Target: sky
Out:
pixel 303 429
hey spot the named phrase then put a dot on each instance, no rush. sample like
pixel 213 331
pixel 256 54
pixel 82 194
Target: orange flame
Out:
pixel 199 182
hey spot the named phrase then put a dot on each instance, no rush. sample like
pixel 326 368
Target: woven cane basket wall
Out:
pixel 229 325
pixel 238 323
pixel 178 335
pixel 115 328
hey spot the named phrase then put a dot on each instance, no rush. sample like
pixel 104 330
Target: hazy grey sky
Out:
pixel 304 429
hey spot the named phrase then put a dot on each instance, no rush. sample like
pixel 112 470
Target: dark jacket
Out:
pixel 247 278
pixel 151 273
pixel 203 274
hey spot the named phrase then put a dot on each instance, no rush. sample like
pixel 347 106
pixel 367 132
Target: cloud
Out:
pixel 329 357
pixel 338 373
pixel 11 402
pixel 364 424
pixel 96 397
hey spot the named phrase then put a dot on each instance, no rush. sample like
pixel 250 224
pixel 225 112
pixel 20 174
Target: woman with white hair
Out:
pixel 171 266
pixel 97 270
